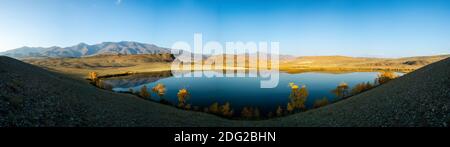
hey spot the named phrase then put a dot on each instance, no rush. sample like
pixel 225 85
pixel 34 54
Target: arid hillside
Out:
pixel 344 63
pixel 105 64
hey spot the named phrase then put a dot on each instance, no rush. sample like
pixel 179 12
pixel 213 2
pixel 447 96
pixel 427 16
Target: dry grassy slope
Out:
pixel 105 64
pixel 343 62
pixel 102 61
pixel 31 96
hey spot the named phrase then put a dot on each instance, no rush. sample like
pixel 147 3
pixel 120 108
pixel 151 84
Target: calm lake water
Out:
pixel 242 92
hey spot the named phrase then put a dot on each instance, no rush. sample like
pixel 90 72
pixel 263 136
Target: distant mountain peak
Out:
pixel 83 49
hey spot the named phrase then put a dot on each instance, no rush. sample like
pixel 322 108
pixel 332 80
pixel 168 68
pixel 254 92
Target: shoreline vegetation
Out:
pixel 297 97
pixel 108 66
pixel 146 63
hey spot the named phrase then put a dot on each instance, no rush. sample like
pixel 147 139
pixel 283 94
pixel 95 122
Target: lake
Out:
pixel 241 92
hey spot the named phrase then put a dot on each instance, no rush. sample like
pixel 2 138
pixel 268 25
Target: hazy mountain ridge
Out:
pixel 82 50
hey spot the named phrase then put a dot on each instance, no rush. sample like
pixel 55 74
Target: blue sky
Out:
pixel 375 28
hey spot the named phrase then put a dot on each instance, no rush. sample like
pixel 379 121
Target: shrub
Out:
pixel 321 102
pixel 214 108
pixel 247 112
pixel 93 76
pixel 361 87
pixel 226 110
pixel 385 76
pixel 144 93
pixel 279 111
pixel 290 107
pixel 159 89
pixel 298 96
pixel 182 95
pixel 341 90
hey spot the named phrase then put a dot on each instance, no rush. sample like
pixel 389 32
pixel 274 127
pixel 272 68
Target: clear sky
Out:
pixel 376 28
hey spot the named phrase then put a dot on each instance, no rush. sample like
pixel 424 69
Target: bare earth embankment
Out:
pixel 32 96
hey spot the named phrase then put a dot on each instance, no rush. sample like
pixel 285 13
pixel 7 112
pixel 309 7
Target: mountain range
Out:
pixel 83 49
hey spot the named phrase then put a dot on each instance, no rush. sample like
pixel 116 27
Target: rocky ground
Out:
pixel 32 96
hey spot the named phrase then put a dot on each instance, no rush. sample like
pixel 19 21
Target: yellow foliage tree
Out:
pixel 298 96
pixel 93 76
pixel 182 95
pixel 385 76
pixel 159 89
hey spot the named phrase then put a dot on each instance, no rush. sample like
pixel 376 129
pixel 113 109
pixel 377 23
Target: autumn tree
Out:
pixel 93 76
pixel 144 93
pixel 159 89
pixel 182 95
pixel 279 111
pixel 226 110
pixel 298 96
pixel 341 90
pixel 385 76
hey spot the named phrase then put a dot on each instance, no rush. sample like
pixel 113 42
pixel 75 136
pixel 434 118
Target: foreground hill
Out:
pixel 82 50
pixel 32 96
